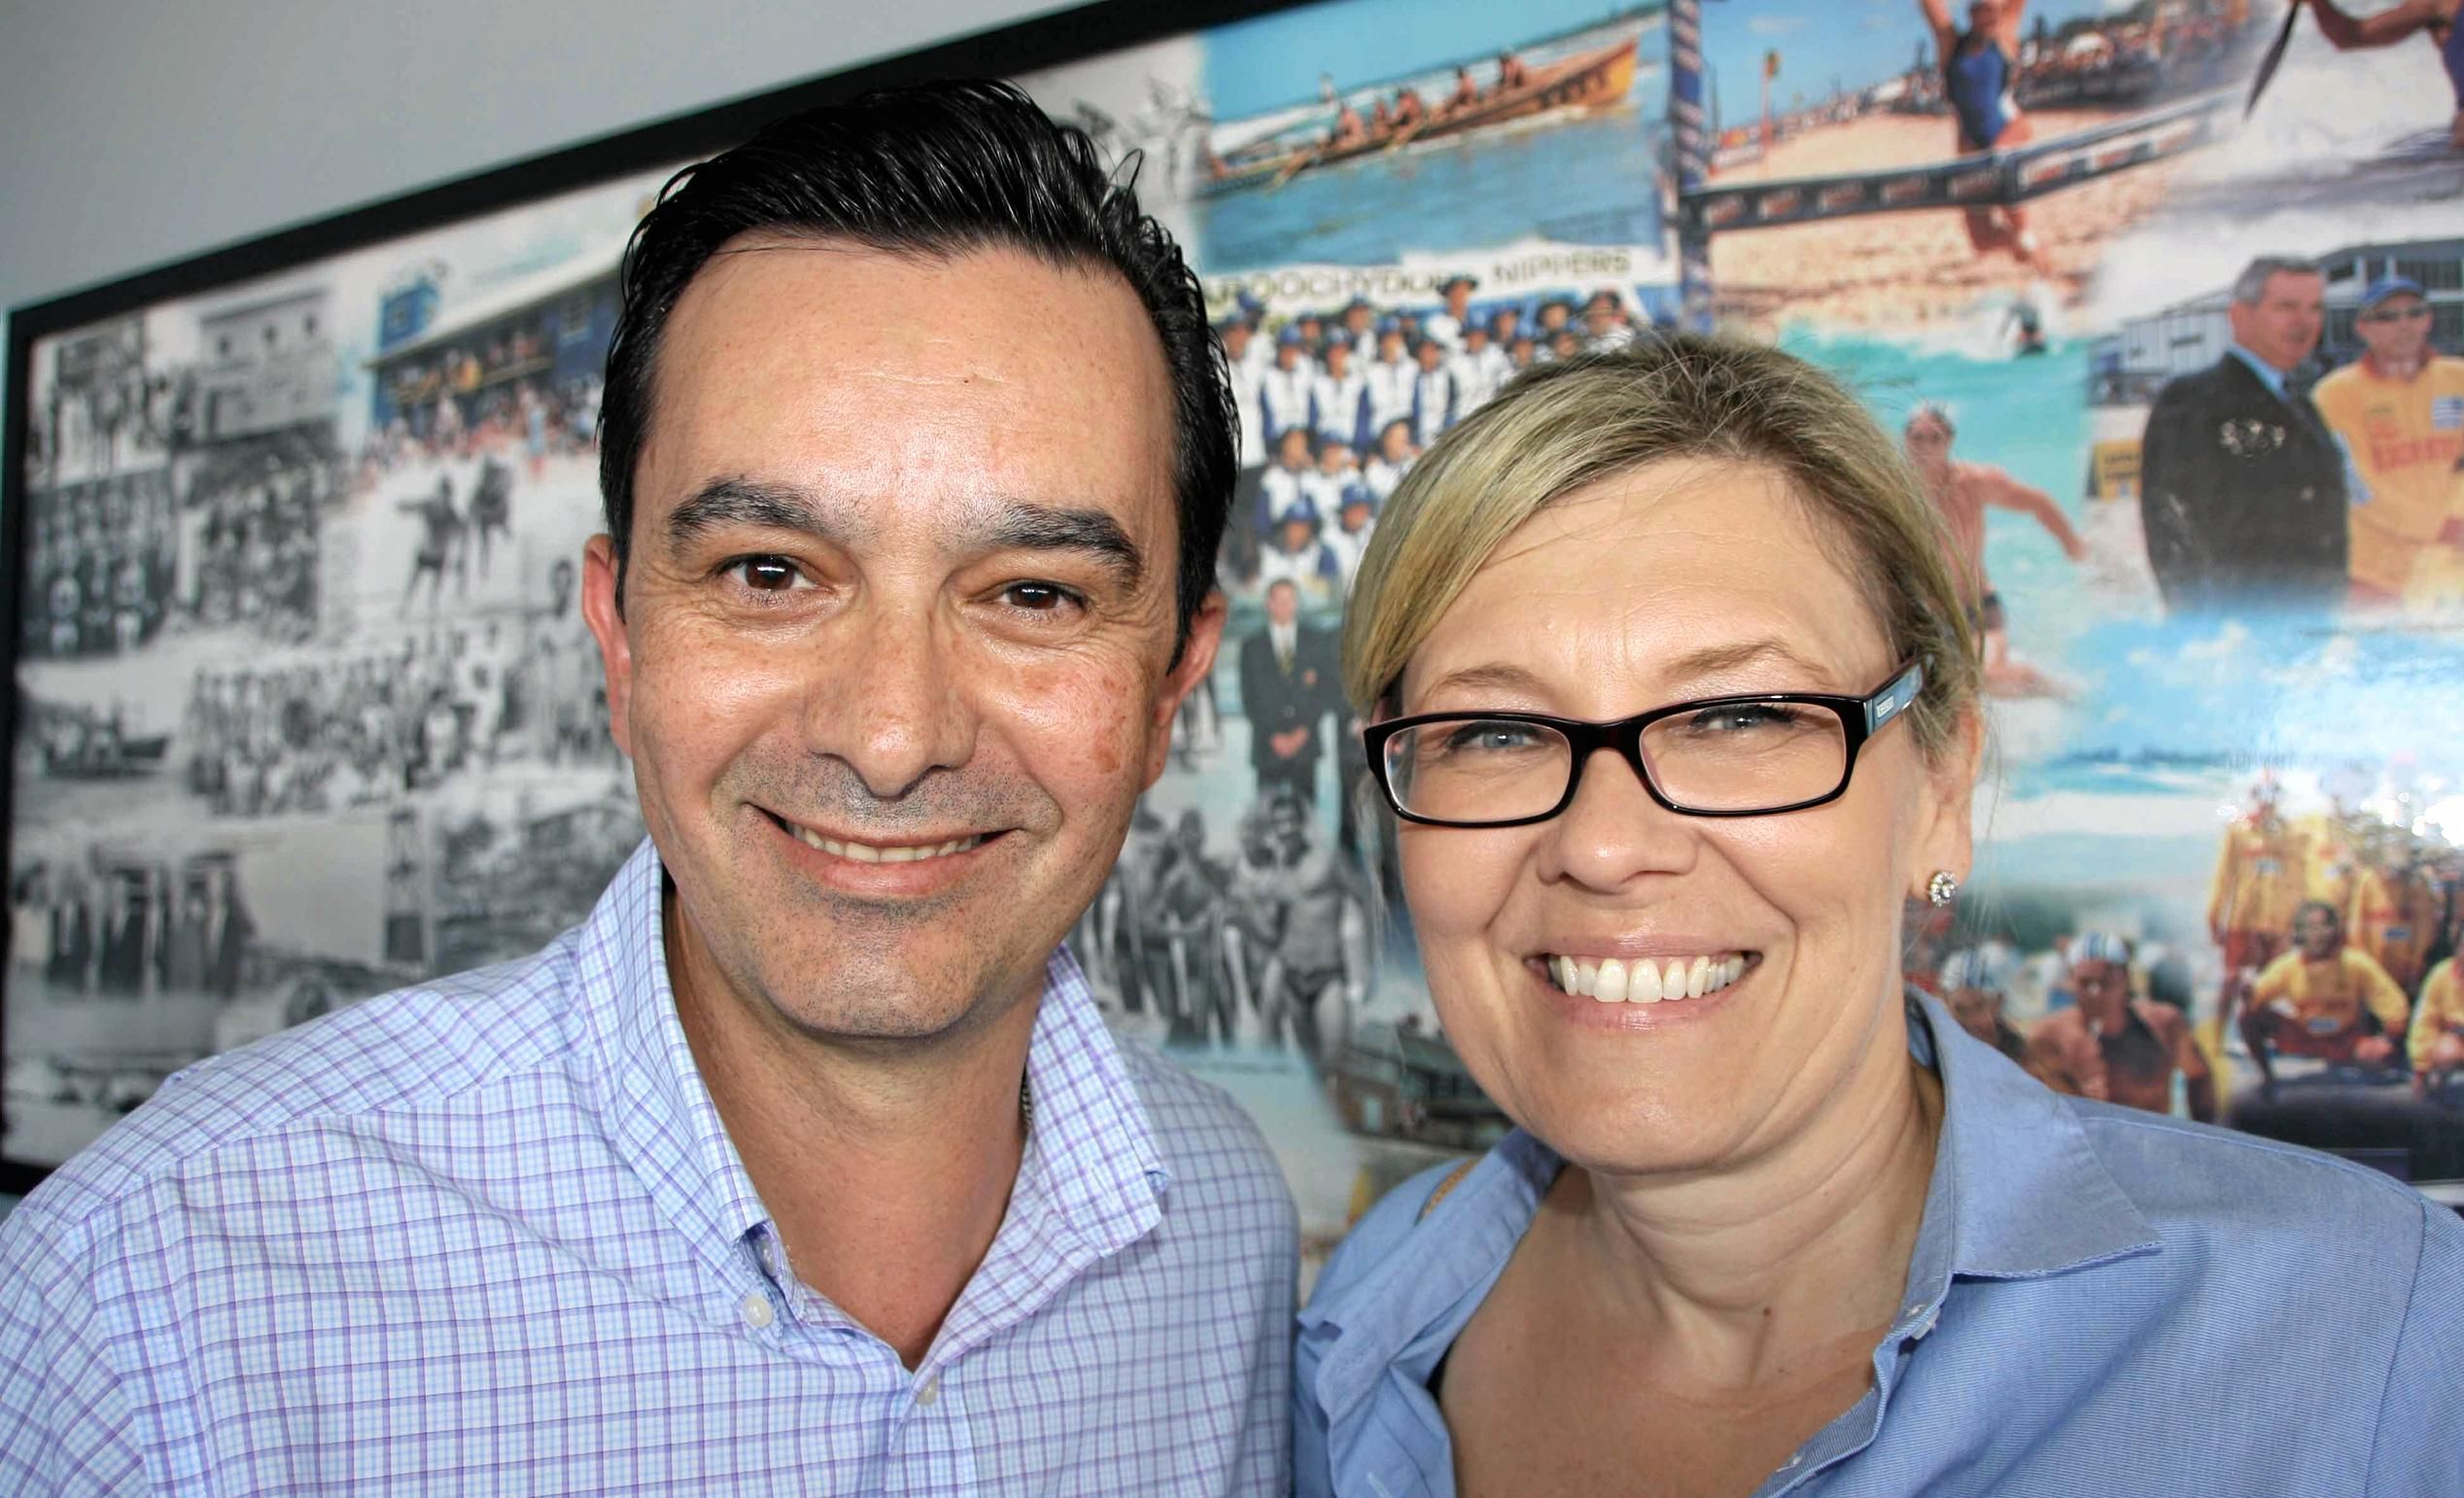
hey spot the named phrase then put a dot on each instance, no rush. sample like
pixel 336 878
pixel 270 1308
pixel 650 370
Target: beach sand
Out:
pixel 1918 267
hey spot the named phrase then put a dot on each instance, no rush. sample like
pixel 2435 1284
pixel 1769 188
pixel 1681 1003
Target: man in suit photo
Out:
pixel 2243 489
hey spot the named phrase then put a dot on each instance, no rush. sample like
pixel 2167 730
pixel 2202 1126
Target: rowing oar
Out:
pixel 2275 55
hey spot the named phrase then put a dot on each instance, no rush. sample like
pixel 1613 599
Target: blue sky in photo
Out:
pixel 1851 43
pixel 1274 60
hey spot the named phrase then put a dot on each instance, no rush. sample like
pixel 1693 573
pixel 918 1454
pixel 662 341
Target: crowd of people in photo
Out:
pixel 107 574
pixel 102 559
pixel 128 926
pixel 2338 932
pixel 1271 945
pixel 453 410
pixel 1334 408
pixel 376 725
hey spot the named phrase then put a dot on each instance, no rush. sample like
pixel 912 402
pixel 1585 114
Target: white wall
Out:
pixel 134 132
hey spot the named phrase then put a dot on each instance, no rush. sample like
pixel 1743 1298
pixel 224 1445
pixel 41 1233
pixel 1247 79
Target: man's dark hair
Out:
pixel 2334 917
pixel 937 170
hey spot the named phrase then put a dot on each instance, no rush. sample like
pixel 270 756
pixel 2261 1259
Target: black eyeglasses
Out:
pixel 1716 756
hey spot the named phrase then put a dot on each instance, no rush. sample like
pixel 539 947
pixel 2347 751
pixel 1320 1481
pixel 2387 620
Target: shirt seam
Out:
pixel 2387 1379
pixel 169 1164
pixel 2291 1152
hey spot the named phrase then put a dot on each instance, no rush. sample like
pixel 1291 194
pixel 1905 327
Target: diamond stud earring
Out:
pixel 1942 886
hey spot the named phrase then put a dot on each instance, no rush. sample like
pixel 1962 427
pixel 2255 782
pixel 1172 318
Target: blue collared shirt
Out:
pixel 2269 374
pixel 489 1235
pixel 2101 1301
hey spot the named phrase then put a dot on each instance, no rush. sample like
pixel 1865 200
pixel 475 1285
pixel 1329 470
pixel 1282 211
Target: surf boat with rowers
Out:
pixel 1645 980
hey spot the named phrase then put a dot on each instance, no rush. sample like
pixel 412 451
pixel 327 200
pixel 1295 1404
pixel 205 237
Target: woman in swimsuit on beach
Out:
pixel 1980 75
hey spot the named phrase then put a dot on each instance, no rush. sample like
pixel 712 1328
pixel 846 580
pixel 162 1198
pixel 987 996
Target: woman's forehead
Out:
pixel 1658 564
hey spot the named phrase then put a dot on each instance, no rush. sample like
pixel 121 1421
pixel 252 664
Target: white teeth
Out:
pixel 866 852
pixel 1614 980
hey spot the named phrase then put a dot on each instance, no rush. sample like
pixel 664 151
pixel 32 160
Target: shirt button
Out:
pixel 930 1393
pixel 757 1312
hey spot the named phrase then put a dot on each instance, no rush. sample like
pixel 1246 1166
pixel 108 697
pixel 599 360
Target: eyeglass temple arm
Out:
pixel 1894 699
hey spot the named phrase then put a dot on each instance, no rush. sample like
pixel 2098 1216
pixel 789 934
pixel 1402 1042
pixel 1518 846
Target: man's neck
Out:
pixel 886 1170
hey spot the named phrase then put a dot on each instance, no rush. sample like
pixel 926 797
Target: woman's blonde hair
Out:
pixel 1561 427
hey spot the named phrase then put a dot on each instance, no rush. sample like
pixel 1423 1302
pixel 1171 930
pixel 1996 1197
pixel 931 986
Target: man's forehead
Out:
pixel 854 375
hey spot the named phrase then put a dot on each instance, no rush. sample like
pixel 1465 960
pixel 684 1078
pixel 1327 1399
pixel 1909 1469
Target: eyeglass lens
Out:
pixel 1741 757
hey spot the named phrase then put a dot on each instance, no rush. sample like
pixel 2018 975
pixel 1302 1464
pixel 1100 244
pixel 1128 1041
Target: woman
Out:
pixel 1769 1219
pixel 1980 80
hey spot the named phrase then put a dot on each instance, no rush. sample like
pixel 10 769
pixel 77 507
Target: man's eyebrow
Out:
pixel 1018 526
pixel 725 503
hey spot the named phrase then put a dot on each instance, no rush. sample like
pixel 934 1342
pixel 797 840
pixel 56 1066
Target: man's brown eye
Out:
pixel 1039 596
pixel 767 575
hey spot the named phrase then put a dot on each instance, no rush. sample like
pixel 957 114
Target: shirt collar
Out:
pixel 2018 1191
pixel 2269 374
pixel 1091 1159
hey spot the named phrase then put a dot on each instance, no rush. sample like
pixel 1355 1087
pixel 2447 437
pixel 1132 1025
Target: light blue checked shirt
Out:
pixel 2101 1301
pixel 488 1235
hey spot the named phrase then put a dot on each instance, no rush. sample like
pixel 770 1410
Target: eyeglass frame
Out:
pixel 1859 719
pixel 2413 313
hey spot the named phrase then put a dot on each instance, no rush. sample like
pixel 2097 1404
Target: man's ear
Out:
pixel 1197 658
pixel 603 610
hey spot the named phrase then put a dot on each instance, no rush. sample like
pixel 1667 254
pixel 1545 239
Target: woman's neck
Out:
pixel 1745 1274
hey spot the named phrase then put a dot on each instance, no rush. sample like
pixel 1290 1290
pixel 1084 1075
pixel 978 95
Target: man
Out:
pixel 1390 377
pixel 2114 1047
pixel 1300 559
pixel 1384 471
pixel 1434 403
pixel 2434 19
pixel 805 1165
pixel 1605 326
pixel 1338 402
pixel 2399 410
pixel 1447 327
pixel 1356 521
pixel 2258 882
pixel 2241 484
pixel 1286 390
pixel 2395 905
pixel 2437 1037
pixel 1961 492
pixel 1972 989
pixel 1288 686
pixel 2323 998
pixel 1337 470
pixel 1285 485
pixel 1238 335
pixel 1479 372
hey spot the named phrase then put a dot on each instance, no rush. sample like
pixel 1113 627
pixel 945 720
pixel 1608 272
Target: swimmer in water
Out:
pixel 1961 492
pixel 1980 77
pixel 2435 18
